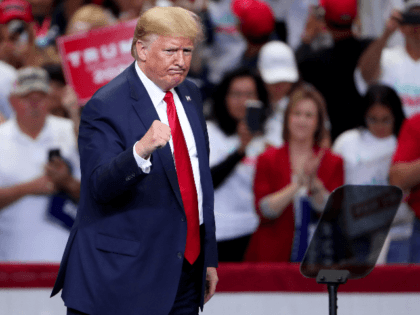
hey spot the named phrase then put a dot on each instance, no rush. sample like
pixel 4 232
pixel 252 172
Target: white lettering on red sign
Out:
pixel 102 76
pixel 93 54
pixel 109 51
pixel 90 55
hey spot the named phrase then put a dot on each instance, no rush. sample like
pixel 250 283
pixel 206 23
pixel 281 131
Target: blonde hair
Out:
pixel 88 17
pixel 167 21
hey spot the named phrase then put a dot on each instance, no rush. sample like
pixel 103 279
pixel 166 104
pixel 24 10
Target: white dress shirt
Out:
pixel 157 95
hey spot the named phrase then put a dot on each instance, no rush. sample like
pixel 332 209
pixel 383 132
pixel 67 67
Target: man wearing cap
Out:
pixel 240 29
pixel 17 46
pixel 256 24
pixel 28 180
pixel 396 66
pixel 278 69
pixel 331 69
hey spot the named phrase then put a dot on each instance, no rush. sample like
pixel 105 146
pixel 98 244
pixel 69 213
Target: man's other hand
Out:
pixel 41 186
pixel 156 137
pixel 211 282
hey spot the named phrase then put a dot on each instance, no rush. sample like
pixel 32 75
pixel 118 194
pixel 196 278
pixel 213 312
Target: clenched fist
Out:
pixel 156 137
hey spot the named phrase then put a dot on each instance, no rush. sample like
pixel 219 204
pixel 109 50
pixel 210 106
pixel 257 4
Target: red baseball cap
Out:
pixel 256 17
pixel 15 9
pixel 341 12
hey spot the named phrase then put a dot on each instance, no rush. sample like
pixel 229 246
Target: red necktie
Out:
pixel 186 181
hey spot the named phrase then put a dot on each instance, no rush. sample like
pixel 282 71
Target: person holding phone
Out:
pixel 234 146
pixel 282 173
pixel 39 158
pixel 398 66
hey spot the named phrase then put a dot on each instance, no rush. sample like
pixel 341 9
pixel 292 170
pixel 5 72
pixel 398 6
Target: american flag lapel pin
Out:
pixel 188 98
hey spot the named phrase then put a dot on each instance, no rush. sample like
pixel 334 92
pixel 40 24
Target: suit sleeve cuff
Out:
pixel 145 165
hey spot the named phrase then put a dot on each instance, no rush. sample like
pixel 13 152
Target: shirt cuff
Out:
pixel 142 163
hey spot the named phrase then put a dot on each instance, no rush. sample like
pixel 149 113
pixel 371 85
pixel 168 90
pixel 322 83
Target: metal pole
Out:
pixel 332 297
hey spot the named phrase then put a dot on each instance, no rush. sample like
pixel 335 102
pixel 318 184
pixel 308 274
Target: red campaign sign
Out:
pixel 92 59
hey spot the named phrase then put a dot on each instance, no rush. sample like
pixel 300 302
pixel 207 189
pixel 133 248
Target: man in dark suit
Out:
pixel 144 237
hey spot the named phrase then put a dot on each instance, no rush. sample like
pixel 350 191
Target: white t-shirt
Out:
pixel 8 76
pixel 26 234
pixel 367 159
pixel 234 209
pixel 401 72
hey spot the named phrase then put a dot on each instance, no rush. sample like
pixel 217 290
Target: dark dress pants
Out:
pixel 71 311
pixel 187 300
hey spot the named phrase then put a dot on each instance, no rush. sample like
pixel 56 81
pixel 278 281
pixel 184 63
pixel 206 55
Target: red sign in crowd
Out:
pixel 92 59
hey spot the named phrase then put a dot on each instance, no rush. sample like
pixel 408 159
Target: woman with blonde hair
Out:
pixel 300 166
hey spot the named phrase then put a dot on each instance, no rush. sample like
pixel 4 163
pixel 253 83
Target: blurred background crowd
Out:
pixel 301 97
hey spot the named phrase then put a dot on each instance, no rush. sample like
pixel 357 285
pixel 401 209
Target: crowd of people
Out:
pixel 298 103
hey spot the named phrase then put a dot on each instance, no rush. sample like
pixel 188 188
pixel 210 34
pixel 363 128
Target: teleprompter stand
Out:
pixel 332 278
pixel 350 235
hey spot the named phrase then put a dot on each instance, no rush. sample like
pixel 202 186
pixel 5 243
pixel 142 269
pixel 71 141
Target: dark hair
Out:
pixel 385 96
pixel 300 92
pixel 220 113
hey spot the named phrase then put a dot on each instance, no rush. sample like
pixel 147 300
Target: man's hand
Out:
pixel 315 25
pixel 211 282
pixel 58 172
pixel 393 23
pixel 156 137
pixel 40 186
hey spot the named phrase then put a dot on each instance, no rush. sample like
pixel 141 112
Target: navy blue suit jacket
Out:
pixel 125 250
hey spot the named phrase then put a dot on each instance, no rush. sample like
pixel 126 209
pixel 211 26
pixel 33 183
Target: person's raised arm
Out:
pixel 156 137
pixel 105 159
pixel 273 205
pixel 369 61
pixel 222 170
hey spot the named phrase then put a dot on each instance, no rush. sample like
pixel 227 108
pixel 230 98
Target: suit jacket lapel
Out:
pixel 147 113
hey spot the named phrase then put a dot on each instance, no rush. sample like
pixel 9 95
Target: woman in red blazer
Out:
pixel 302 162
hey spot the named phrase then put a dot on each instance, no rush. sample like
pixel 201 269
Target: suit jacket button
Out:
pixel 183 219
pixel 179 255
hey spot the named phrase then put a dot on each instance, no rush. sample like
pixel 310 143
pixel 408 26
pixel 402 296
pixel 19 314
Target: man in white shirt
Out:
pixel 398 66
pixel 29 179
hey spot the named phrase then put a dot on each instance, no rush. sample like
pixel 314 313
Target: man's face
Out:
pixel 277 91
pixel 33 105
pixel 14 41
pixel 166 61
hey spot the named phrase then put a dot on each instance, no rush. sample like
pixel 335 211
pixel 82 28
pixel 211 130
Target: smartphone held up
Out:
pixel 254 115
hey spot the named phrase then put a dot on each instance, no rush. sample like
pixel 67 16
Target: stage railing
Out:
pixel 243 288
